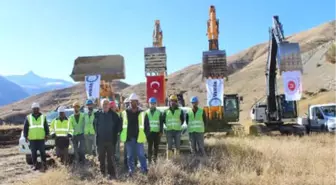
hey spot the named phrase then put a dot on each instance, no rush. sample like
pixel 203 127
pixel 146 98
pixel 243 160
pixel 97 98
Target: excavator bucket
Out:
pixel 155 61
pixel 214 64
pixel 289 57
pixel 110 67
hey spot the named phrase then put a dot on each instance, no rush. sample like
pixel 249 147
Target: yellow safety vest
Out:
pixel 36 127
pixel 173 121
pixel 61 128
pixel 154 120
pixel 196 123
pixel 141 134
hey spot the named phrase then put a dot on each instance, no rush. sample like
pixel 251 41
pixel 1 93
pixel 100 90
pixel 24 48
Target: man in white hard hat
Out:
pixel 36 131
pixel 135 128
pixel 62 131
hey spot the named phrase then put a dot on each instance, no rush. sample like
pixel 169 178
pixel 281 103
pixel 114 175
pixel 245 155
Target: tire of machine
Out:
pixel 237 130
pixel 256 130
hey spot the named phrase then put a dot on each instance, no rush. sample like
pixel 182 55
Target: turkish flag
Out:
pixel 155 88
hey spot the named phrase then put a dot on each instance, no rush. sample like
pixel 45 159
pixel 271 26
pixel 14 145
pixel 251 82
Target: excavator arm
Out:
pixel 157 34
pixel 213 29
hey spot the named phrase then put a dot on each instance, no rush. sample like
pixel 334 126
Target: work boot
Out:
pixel 169 154
pixel 177 152
pixel 35 167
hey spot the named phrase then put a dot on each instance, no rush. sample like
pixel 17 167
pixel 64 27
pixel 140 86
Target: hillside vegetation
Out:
pixel 330 55
pixel 232 161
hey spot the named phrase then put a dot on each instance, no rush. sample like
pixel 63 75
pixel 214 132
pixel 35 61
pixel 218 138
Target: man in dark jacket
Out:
pixel 107 127
pixel 35 131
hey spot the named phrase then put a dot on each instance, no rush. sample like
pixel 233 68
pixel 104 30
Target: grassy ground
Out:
pixel 249 160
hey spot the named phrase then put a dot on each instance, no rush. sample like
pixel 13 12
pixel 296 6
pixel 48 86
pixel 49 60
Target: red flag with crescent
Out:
pixel 155 88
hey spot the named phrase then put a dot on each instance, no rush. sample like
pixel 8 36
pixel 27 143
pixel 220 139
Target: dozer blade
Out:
pixel 214 64
pixel 289 58
pixel 110 67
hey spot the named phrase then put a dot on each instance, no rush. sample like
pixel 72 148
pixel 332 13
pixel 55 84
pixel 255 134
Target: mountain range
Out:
pixel 247 78
pixel 34 84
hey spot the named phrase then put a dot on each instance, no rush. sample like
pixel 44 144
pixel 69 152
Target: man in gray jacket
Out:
pixel 107 127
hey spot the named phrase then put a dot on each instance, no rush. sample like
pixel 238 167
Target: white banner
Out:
pixel 215 89
pixel 292 85
pixel 92 86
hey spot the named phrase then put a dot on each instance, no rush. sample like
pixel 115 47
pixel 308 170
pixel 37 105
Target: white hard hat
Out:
pixel 126 100
pixel 103 100
pixel 61 109
pixel 35 105
pixel 133 96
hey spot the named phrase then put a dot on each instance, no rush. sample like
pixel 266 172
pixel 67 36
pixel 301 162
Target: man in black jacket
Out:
pixel 107 125
pixel 35 131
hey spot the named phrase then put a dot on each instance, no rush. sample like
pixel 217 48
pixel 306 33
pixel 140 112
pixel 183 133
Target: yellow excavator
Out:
pixel 110 67
pixel 222 118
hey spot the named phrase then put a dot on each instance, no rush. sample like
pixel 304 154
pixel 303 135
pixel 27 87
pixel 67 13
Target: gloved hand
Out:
pixel 69 136
pixel 53 136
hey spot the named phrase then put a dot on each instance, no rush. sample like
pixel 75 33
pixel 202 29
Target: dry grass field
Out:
pixel 237 161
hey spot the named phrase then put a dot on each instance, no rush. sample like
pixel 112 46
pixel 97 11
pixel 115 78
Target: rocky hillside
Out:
pixel 14 113
pixel 249 81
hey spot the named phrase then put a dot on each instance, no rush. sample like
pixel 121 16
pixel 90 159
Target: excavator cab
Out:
pixel 288 108
pixel 231 107
pixel 224 118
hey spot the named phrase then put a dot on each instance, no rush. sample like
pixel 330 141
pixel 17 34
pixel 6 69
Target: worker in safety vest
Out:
pixel 61 130
pixel 156 128
pixel 35 131
pixel 173 119
pixel 134 132
pixel 89 132
pixel 78 123
pixel 196 121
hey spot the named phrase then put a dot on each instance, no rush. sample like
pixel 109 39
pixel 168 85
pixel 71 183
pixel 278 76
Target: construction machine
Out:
pixel 156 62
pixel 222 118
pixel 276 113
pixel 109 67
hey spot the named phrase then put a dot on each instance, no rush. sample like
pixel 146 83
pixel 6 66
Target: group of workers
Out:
pixel 102 131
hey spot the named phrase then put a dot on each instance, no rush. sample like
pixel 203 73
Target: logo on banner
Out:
pixel 292 86
pixel 155 89
pixel 215 101
pixel 91 80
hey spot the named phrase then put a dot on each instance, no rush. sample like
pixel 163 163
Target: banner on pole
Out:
pixel 92 86
pixel 292 85
pixel 215 92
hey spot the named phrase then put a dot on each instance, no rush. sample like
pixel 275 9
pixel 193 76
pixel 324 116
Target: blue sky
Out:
pixel 46 36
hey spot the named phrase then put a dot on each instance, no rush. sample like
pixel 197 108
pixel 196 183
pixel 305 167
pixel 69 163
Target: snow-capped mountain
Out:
pixel 34 84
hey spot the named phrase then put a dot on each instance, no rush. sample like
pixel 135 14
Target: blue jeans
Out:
pixel 132 146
